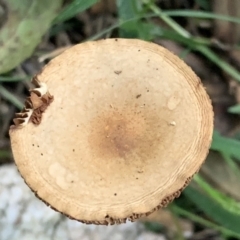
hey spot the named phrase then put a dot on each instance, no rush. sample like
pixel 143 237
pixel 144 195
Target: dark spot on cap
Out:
pixel 139 95
pixel 118 72
pixel 118 133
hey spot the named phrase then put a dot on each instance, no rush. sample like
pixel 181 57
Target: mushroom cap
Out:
pixel 129 126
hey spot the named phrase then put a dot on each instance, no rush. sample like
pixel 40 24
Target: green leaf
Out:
pixel 5 154
pixel 201 14
pixel 226 145
pixel 145 31
pixel 27 21
pixel 128 10
pixel 234 109
pixel 196 218
pixel 4 93
pixel 213 210
pixel 13 79
pixel 154 227
pixel 205 4
pixel 226 202
pixel 172 35
pixel 74 8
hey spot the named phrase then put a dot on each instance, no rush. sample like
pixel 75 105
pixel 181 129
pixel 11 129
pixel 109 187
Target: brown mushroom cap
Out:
pixel 129 126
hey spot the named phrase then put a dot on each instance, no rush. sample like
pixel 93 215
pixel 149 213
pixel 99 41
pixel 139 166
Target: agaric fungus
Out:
pixel 129 126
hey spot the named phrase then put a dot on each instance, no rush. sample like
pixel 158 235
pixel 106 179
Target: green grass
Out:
pixel 74 8
pixel 5 154
pixel 10 97
pixel 220 212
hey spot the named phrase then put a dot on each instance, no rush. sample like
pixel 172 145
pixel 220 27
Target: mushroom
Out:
pixel 114 130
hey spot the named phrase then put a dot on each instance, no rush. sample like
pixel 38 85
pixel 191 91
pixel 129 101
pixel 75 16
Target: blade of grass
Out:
pixel 181 31
pixel 213 210
pixel 228 203
pixel 13 79
pixel 226 145
pixel 172 35
pixel 179 232
pixel 10 97
pixel 74 8
pixel 234 109
pixel 197 45
pixel 5 154
pixel 128 10
pixel 192 43
pixel 202 221
pixel 164 33
pixel 154 31
pixel 103 32
pixel 232 164
pixel 117 25
pixel 207 52
pixel 184 53
pixel 201 14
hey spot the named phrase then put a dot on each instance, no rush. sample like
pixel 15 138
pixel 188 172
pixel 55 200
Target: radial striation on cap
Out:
pixel 114 130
